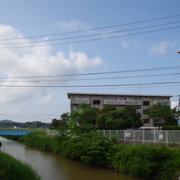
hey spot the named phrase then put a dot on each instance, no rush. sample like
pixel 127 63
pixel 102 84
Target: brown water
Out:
pixel 51 167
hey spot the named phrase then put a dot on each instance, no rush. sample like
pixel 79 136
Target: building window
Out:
pixel 146 103
pixel 96 102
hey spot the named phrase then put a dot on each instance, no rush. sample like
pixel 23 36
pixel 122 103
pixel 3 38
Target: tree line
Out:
pixel 87 118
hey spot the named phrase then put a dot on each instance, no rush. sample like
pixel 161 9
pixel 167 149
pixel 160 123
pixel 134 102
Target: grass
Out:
pixel 12 169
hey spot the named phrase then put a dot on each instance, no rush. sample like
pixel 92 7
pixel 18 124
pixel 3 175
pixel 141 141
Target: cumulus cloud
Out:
pixel 34 61
pixel 161 47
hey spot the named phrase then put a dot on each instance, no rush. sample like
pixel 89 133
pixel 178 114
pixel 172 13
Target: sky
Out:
pixel 62 42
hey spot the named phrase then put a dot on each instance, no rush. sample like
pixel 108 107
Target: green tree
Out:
pixel 118 119
pixel 64 116
pixel 162 115
pixel 83 120
pixel 102 116
pixel 111 118
pixel 136 117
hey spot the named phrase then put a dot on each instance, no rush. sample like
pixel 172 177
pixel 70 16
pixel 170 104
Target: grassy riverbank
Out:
pixel 12 169
pixel 137 160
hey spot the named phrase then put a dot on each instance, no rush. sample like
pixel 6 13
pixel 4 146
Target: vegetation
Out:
pixel 78 141
pixel 61 122
pixel 86 119
pixel 162 115
pixel 12 169
pixel 165 127
pixel 93 148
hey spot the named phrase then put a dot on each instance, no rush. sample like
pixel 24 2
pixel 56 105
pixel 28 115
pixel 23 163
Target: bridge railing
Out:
pixel 14 132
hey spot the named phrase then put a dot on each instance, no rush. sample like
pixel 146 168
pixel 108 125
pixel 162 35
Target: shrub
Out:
pixel 12 169
pixel 166 127
pixel 145 161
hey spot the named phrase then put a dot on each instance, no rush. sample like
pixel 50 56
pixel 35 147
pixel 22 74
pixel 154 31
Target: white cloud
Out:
pixel 125 44
pixel 72 25
pixel 34 61
pixel 47 99
pixel 161 47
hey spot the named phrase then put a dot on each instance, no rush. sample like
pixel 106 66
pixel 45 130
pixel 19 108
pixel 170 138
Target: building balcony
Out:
pixel 79 101
pixel 161 102
pixel 122 102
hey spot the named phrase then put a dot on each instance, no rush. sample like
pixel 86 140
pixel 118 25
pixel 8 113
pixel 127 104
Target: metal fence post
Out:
pixel 154 135
pixel 143 135
pixel 166 136
pixel 124 134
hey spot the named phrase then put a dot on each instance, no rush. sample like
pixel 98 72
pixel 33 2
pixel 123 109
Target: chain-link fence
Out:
pixel 160 136
pixel 163 136
pixel 52 132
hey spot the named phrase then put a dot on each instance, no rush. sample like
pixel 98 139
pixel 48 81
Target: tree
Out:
pixel 111 118
pixel 162 115
pixel 136 117
pixel 64 116
pixel 83 120
pixel 102 116
pixel 118 119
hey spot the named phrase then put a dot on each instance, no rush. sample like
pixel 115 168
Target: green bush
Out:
pixel 165 127
pixel 12 169
pixel 145 161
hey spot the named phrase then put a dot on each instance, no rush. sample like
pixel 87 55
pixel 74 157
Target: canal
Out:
pixel 51 167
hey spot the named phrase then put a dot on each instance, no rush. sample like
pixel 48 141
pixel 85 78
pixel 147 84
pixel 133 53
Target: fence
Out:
pixel 155 136
pixel 52 132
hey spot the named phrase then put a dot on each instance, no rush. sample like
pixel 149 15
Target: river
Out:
pixel 51 167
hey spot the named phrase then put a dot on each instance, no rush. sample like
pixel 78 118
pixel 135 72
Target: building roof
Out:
pixel 103 94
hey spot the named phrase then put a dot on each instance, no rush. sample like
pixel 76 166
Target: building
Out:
pixel 141 102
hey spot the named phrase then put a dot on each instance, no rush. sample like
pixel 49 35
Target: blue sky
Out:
pixel 23 19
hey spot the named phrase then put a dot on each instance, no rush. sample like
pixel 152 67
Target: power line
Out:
pixel 92 88
pixel 90 35
pixel 105 78
pixel 98 73
pixel 87 86
pixel 98 28
pixel 89 40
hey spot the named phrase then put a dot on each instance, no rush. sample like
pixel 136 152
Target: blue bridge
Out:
pixel 13 132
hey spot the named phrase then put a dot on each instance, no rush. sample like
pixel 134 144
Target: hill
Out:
pixel 6 121
pixel 12 124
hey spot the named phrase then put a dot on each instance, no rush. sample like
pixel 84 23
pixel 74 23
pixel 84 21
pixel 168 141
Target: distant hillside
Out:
pixel 6 121
pixel 34 124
